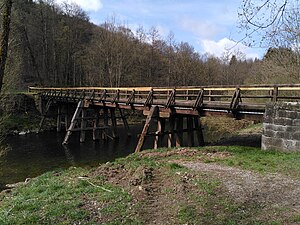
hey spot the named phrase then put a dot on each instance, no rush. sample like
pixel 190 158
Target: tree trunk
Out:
pixel 4 38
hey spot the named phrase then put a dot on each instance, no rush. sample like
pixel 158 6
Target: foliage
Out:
pixel 58 46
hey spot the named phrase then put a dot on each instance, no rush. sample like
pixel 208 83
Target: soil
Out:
pixel 269 191
pixel 146 185
pixel 158 196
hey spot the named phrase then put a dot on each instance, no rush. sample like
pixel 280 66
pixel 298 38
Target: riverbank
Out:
pixel 209 185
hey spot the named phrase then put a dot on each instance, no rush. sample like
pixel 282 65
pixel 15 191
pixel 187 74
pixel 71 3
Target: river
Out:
pixel 30 155
pixel 33 154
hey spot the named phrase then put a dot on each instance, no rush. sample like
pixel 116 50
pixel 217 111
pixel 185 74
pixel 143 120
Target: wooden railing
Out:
pixel 250 98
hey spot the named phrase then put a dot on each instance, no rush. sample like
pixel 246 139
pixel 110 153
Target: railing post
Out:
pixel 209 94
pixel 275 94
pixel 235 99
pixel 171 99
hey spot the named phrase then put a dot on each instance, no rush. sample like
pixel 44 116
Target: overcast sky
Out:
pixel 208 25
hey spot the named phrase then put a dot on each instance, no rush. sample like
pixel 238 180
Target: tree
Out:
pixel 4 38
pixel 267 18
pixel 278 23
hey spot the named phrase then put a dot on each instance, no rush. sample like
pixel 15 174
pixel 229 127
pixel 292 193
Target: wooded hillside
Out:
pixel 56 45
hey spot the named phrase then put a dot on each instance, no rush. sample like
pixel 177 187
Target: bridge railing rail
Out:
pixel 250 97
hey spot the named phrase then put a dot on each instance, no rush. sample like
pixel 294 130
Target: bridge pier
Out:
pixel 175 133
pixel 87 117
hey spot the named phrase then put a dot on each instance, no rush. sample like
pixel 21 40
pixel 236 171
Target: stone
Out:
pixel 289 145
pixel 296 136
pixel 281 128
pixel 296 122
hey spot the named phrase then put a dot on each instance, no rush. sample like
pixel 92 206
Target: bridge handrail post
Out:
pixel 275 94
pixel 117 97
pixel 103 95
pixel 199 99
pixel 149 99
pixel 131 97
pixel 235 99
pixel 91 97
pixel 171 98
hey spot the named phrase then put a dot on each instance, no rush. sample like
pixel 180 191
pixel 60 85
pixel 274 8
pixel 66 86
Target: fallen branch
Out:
pixel 94 185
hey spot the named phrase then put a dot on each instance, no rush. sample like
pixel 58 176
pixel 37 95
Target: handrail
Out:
pixel 281 87
pixel 251 98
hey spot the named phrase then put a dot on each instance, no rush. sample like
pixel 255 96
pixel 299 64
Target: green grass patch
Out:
pixel 21 122
pixel 260 161
pixel 188 214
pixel 64 198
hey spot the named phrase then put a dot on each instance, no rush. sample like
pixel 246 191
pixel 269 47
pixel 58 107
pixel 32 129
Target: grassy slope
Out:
pixel 122 193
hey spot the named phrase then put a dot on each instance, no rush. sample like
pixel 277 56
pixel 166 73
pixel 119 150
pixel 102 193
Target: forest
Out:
pixel 56 45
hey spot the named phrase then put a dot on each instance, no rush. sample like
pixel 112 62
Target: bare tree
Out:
pixel 4 38
pixel 278 23
pixel 261 17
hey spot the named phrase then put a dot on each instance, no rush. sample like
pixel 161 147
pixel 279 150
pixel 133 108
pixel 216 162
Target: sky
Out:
pixel 210 26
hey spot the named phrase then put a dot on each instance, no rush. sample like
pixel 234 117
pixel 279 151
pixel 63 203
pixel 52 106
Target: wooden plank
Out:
pixel 190 127
pixel 83 125
pixel 163 113
pixel 285 87
pixel 66 116
pixel 123 117
pixel 162 133
pixel 105 120
pixel 179 131
pixel 275 94
pixel 113 123
pixel 90 128
pixel 48 105
pixel 159 133
pixel 96 132
pixel 58 120
pixel 140 144
pixel 73 122
pixel 171 134
pixel 199 131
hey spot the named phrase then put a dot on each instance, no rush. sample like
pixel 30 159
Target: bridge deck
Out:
pixel 238 100
pixel 174 105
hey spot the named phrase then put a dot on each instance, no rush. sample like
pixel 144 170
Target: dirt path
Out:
pixel 269 191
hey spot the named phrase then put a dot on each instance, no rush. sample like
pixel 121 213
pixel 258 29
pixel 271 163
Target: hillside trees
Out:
pixel 50 43
pixel 4 38
pixel 56 45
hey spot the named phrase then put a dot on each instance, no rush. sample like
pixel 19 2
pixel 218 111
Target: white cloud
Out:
pixel 88 5
pixel 203 29
pixel 217 48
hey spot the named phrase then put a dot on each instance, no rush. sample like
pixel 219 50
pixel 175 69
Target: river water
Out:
pixel 30 155
pixel 33 154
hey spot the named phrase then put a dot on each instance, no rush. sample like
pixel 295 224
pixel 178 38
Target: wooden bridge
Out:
pixel 94 108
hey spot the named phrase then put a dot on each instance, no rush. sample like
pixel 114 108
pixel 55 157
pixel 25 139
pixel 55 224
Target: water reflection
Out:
pixel 34 154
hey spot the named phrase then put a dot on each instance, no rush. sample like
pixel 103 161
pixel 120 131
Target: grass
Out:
pixel 216 128
pixel 255 159
pixel 208 204
pixel 76 196
pixel 21 122
pixel 59 198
